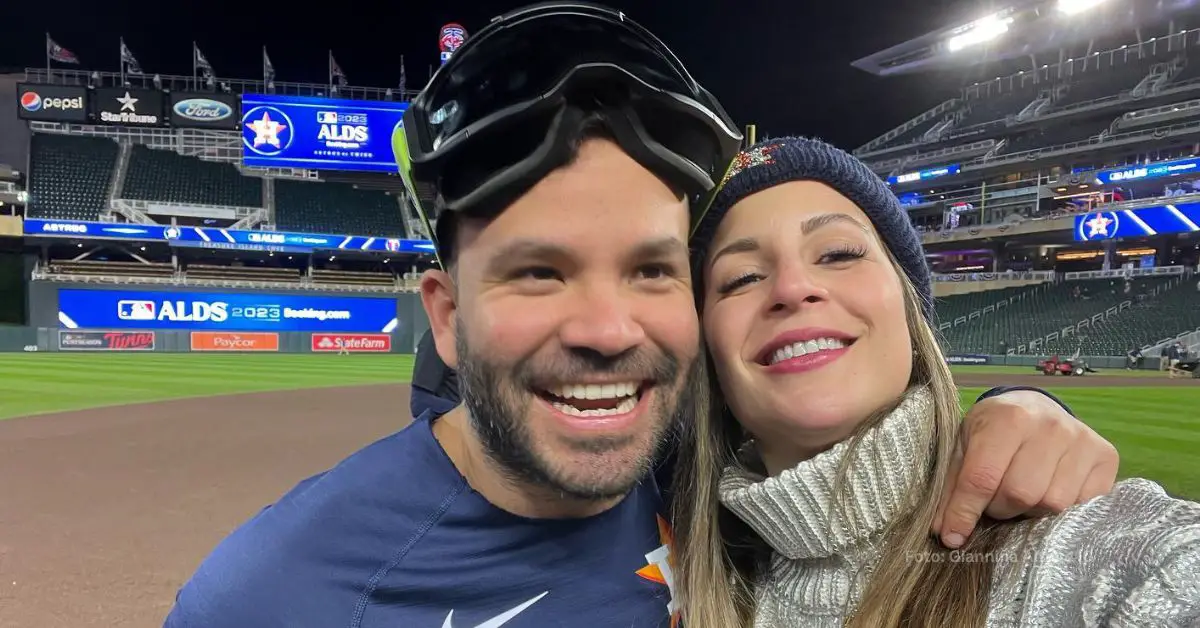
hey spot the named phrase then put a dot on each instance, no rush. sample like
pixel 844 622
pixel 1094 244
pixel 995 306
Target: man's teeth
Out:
pixel 596 391
pixel 624 407
pixel 804 348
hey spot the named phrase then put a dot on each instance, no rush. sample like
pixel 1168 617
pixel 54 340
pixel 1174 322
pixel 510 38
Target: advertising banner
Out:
pixel 204 110
pixel 96 340
pixel 217 238
pixel 226 341
pixel 52 103
pixel 352 343
pixel 129 107
pixel 308 132
pixel 124 309
pixel 968 359
pixel 1138 223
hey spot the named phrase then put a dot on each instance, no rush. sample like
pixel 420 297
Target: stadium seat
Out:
pixel 1044 312
pixel 159 175
pixel 339 208
pixel 70 176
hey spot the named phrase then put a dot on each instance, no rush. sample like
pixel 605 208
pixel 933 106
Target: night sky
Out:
pixel 783 65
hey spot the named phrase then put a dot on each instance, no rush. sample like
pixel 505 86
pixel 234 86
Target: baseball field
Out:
pixel 119 472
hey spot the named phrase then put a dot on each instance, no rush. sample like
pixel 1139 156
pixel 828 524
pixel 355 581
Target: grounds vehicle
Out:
pixel 1071 366
pixel 1184 368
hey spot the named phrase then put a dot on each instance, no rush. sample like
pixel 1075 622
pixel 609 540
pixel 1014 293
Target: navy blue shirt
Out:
pixel 393 537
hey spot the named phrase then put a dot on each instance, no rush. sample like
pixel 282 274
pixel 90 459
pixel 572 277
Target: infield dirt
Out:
pixel 104 513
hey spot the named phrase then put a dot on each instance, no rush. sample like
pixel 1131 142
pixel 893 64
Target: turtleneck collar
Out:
pixel 797 512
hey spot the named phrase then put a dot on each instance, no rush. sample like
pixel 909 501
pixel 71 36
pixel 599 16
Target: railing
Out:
pixel 1125 273
pixel 117 185
pixel 57 76
pixel 1093 142
pixel 197 210
pixel 131 211
pixel 1027 275
pixel 1125 54
pixel 874 144
pixel 181 279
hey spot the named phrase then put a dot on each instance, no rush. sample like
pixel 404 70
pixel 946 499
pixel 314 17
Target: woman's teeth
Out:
pixel 804 348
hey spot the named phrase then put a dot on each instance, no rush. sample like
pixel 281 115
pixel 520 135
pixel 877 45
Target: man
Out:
pixel 566 307
pixel 434 385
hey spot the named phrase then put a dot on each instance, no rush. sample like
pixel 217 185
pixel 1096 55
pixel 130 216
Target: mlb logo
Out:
pixel 327 117
pixel 135 310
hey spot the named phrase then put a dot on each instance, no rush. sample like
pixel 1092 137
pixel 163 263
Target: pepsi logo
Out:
pixel 31 101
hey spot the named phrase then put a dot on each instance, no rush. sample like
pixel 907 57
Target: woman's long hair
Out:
pixel 720 559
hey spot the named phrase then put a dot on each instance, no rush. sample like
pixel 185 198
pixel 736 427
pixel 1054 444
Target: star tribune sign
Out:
pixel 128 112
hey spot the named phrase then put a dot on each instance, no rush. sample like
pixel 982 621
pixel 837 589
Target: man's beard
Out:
pixel 498 398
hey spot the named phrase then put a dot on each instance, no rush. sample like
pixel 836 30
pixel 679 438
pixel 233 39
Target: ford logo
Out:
pixel 202 110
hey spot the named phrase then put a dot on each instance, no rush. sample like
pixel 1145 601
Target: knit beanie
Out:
pixel 782 160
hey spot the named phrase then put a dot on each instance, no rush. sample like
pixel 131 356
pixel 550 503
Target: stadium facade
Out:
pixel 1059 199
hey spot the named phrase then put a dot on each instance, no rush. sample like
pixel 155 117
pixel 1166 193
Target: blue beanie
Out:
pixel 777 161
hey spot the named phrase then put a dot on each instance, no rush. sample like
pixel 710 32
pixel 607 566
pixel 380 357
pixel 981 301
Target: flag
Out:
pixel 55 52
pixel 403 78
pixel 335 71
pixel 200 63
pixel 128 62
pixel 268 69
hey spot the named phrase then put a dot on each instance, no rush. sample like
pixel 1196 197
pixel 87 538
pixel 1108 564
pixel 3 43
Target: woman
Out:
pixel 819 470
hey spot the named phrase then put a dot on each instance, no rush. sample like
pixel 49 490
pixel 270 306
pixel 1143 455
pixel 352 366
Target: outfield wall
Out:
pixel 285 320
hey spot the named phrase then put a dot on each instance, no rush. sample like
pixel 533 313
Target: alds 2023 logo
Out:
pixel 173 311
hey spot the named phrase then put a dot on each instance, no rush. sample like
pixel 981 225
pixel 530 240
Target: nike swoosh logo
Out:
pixel 498 620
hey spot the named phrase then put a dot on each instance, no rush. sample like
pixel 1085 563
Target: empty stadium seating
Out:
pixel 1043 312
pixel 157 175
pixel 1175 310
pixel 70 177
pixel 328 207
pixel 957 306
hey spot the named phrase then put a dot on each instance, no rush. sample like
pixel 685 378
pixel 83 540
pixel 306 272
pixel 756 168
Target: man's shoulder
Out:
pixel 308 558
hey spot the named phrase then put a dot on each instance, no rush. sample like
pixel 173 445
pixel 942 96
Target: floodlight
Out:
pixel 978 32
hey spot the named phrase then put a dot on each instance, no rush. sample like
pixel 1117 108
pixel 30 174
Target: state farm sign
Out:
pixel 352 343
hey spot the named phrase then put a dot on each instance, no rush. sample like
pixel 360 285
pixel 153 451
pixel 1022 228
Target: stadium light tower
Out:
pixel 1072 7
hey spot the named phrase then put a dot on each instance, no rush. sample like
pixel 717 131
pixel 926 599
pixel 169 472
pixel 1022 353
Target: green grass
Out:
pixel 1157 430
pixel 38 383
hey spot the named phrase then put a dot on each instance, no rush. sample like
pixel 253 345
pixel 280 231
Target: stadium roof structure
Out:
pixel 1022 28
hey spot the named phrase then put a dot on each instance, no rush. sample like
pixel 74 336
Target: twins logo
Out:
pixel 267 130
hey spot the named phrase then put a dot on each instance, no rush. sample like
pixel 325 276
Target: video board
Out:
pixel 319 133
pixel 213 311
pixel 1138 223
